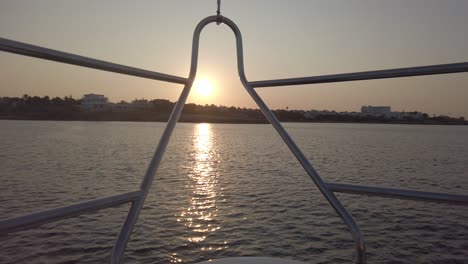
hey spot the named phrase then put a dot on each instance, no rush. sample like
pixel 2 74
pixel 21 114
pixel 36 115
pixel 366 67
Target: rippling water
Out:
pixel 233 190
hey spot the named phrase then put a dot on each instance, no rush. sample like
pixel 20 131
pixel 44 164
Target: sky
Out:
pixel 282 39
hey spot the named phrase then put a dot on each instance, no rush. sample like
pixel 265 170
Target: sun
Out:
pixel 204 87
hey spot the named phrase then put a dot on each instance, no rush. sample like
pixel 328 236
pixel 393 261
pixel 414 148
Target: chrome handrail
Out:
pixel 454 199
pixel 368 75
pixel 18 223
pixel 25 49
pixel 137 198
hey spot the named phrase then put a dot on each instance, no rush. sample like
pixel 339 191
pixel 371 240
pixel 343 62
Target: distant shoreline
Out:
pixel 159 110
pixel 219 120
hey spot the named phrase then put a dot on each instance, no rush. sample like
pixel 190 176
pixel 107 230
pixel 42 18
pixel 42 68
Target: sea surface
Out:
pixel 233 190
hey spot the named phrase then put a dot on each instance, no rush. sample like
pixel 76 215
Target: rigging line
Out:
pixel 219 17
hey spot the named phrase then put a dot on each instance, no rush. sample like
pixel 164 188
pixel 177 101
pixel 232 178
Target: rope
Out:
pixel 219 18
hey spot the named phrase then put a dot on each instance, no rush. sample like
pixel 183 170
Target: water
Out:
pixel 233 190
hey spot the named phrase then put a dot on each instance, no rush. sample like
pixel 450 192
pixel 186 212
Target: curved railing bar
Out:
pixel 446 198
pixel 124 235
pixel 132 217
pixel 367 75
pixel 330 196
pixel 19 223
pixel 25 49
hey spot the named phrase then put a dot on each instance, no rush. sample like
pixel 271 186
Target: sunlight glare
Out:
pixel 204 87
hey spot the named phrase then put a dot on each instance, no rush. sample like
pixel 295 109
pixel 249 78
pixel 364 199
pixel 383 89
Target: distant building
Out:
pixel 311 114
pixel 140 103
pixel 411 115
pixel 94 102
pixel 368 112
pixel 376 110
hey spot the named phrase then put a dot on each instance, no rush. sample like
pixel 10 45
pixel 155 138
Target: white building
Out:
pixel 376 110
pixel 311 114
pixel 94 102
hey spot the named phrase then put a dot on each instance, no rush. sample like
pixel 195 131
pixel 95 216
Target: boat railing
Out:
pixel 137 198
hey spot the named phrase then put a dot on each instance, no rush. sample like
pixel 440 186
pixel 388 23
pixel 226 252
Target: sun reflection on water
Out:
pixel 200 216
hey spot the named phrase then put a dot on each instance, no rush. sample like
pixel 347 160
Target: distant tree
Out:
pixel 57 101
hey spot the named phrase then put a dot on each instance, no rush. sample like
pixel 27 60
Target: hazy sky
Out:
pixel 281 39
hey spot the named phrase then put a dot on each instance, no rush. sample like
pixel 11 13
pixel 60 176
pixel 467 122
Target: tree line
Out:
pixel 68 108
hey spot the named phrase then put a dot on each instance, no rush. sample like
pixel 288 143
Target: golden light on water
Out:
pixel 202 211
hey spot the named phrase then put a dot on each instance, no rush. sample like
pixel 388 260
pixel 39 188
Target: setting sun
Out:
pixel 204 87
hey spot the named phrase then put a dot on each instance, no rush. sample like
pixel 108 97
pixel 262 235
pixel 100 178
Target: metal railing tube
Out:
pixel 69 58
pixel 359 244
pixel 330 197
pixel 367 75
pixel 455 199
pixel 132 217
pixel 14 224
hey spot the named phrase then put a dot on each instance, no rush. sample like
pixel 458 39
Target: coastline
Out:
pixel 159 110
pixel 214 119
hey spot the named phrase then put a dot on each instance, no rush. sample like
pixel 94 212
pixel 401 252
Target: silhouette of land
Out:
pixel 158 110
